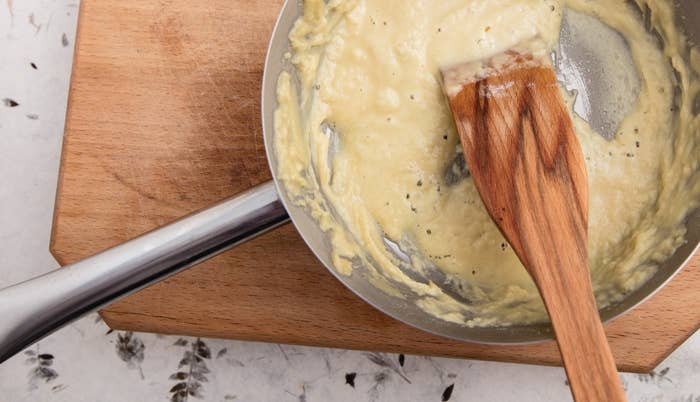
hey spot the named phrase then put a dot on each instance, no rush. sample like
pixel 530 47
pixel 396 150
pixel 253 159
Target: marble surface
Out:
pixel 87 362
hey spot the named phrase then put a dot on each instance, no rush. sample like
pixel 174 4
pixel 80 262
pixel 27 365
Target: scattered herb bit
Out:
pixel 221 352
pixel 629 155
pixel 384 23
pixel 447 393
pixel 636 144
pixel 350 379
pixel 380 378
pixel 655 376
pixel 488 28
pixel 439 29
pixel 382 360
pixel 317 87
pixel 402 359
pixel 32 116
pixel 552 8
pixel 194 373
pixel 64 40
pixel 414 210
pixel 419 183
pixel 130 350
pixel 33 66
pixel 413 97
pixel 181 342
pixel 408 196
pixel 610 153
pixel 636 130
pixel 180 375
pixel 10 102
pixel 504 246
pixel 42 371
pixel 444 137
pixel 429 231
pixel 473 272
pixel 202 350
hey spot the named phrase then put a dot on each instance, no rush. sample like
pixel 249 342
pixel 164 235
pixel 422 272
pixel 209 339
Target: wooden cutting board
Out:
pixel 164 119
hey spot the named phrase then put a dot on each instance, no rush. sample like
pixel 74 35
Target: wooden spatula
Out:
pixel 528 167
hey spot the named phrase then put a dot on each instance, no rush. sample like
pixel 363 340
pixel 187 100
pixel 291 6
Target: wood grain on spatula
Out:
pixel 528 166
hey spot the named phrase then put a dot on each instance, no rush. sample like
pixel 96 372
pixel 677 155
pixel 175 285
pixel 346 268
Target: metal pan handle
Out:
pixel 35 308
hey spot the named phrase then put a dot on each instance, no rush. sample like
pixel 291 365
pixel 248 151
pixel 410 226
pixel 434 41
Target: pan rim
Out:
pixel 531 334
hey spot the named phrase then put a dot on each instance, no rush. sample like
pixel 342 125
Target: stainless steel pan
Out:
pixel 33 309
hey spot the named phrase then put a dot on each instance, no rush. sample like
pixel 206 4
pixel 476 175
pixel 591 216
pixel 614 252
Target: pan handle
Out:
pixel 35 308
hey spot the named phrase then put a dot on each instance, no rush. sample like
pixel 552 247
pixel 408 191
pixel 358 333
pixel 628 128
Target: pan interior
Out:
pixel 599 97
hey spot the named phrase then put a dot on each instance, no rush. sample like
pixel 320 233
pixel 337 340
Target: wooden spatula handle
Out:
pixel 584 348
pixel 529 169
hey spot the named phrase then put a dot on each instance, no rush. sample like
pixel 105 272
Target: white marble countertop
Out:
pixel 87 362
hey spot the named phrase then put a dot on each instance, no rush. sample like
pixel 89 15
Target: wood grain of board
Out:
pixel 164 119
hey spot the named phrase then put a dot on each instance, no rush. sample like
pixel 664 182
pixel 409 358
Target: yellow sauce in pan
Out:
pixel 365 141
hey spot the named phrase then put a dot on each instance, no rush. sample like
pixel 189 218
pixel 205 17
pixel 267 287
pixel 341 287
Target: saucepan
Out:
pixel 33 309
